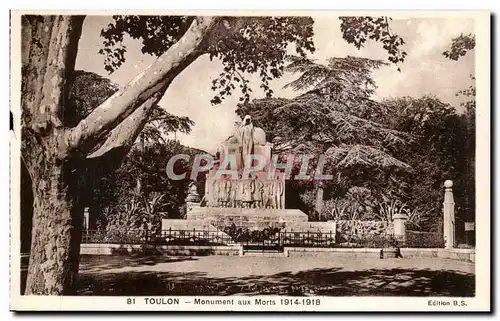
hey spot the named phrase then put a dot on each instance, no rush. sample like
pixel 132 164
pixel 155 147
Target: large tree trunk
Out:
pixel 57 221
pixel 49 52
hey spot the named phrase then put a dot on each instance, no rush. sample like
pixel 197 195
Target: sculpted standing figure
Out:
pixel 248 186
pixel 258 195
pixel 235 195
pixel 245 133
pixel 216 192
pixel 278 192
pixel 266 194
pixel 271 192
pixel 228 193
pixel 205 200
pixel 222 192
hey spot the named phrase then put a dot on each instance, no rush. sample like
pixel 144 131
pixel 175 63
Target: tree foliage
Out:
pixel 138 184
pixel 115 191
pixel 460 46
pixel 357 30
pixel 443 149
pixel 245 45
pixel 329 114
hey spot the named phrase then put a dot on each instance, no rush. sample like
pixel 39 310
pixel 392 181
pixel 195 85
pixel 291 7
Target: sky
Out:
pixel 425 71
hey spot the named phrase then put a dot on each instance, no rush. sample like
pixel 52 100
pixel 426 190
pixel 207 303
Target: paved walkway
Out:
pixel 309 275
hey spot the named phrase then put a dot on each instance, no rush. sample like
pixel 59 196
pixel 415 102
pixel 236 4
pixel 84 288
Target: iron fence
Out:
pixel 163 237
pixel 308 239
pixel 194 237
pixel 277 240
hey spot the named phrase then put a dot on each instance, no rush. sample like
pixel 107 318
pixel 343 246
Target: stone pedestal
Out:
pixel 251 218
pixel 312 227
pixel 191 205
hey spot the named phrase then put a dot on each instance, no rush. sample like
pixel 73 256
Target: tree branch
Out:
pixel 61 59
pixel 152 82
pixel 49 53
pixel 124 135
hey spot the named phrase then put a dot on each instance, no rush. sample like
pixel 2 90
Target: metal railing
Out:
pixel 279 239
pixel 164 237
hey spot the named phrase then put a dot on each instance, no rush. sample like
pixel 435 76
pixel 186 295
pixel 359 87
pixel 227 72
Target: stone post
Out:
pixel 448 216
pixel 319 200
pixel 399 224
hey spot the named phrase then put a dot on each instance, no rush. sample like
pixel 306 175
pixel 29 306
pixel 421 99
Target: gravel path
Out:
pixel 312 274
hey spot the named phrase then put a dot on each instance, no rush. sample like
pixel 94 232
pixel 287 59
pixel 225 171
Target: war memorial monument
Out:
pixel 249 194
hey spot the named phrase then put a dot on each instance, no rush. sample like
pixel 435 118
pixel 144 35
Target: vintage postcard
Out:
pixel 250 161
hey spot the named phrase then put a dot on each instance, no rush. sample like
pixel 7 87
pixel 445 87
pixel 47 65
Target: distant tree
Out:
pixel 332 118
pixel 143 177
pixel 440 152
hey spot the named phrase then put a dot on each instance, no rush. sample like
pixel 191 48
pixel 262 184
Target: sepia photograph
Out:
pixel 257 161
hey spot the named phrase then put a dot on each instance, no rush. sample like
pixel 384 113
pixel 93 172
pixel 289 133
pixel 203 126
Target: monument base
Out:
pixel 252 218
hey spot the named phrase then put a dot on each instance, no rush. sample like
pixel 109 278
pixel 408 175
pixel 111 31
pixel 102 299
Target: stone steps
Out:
pixel 264 254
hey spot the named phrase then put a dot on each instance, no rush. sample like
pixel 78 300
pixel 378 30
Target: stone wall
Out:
pixel 190 250
pixel 357 229
pixel 467 255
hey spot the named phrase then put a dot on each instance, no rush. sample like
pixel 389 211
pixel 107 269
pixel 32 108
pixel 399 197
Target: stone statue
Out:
pixel 216 192
pixel 248 189
pixel 251 192
pixel 235 196
pixel 278 193
pixel 243 193
pixel 258 195
pixel 226 193
pixel 246 134
pixel 266 195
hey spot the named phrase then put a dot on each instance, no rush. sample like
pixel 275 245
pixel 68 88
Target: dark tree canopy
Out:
pixel 335 109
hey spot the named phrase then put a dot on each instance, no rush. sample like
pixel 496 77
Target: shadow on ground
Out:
pixel 101 263
pixel 328 282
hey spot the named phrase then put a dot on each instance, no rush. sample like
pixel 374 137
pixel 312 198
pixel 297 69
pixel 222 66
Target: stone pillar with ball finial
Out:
pixel 448 216
pixel 399 221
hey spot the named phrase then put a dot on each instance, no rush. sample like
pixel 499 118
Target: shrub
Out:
pixel 424 239
pixel 239 234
